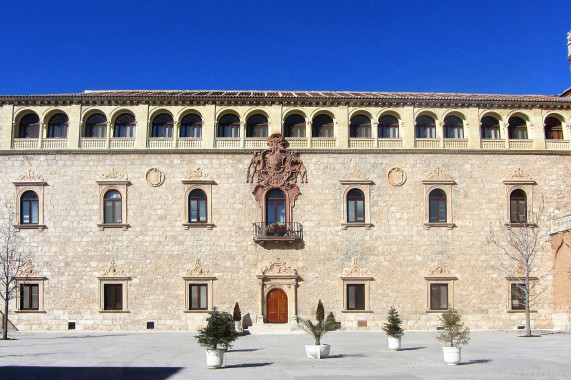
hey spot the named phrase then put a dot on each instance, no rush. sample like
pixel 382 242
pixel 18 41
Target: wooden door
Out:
pixel 277 306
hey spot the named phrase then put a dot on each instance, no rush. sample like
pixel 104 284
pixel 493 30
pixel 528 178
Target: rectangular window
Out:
pixel 29 297
pixel 355 297
pixel 518 296
pixel 438 296
pixel 112 297
pixel 198 297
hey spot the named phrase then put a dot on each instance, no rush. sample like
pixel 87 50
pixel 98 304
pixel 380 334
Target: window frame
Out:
pixel 365 281
pixel 356 128
pixel 25 133
pixel 520 218
pixel 490 131
pixel 162 130
pixel 449 281
pixel 94 127
pixel 388 128
pixel 549 129
pixel 199 286
pixel 228 130
pixel 292 127
pixel 114 280
pixel 192 183
pixel 364 185
pixel 192 279
pixel 518 132
pixel 30 280
pixel 253 127
pixel 428 130
pixel 193 127
pixel 323 128
pixel 354 201
pixel 121 187
pixel 519 181
pixel 439 200
pixel 37 186
pixel 124 128
pixel 450 129
pixel 510 282
pixel 57 130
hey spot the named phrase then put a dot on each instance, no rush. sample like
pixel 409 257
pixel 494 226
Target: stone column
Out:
pixel 341 124
pixel 406 127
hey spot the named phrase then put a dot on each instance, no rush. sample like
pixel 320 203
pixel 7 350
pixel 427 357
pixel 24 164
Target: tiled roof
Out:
pixel 301 95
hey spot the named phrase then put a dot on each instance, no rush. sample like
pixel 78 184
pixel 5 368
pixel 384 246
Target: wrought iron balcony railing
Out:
pixel 277 232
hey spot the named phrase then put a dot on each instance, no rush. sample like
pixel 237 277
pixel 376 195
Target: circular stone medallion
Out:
pixel 396 177
pixel 155 177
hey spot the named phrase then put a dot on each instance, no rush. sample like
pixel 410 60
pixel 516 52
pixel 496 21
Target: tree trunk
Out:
pixel 5 316
pixel 527 313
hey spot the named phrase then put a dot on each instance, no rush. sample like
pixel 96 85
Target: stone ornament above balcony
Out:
pixel 155 177
pixel 279 268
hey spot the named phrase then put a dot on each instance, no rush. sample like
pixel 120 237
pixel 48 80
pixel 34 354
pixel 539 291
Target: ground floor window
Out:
pixel 438 296
pixel 198 297
pixel 29 297
pixel 356 297
pixel 113 297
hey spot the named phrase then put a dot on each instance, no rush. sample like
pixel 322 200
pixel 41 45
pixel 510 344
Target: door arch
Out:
pixel 276 304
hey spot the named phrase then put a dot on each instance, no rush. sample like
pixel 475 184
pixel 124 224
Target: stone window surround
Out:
pixel 357 280
pixel 114 280
pixel 527 187
pixel 38 188
pixel 31 280
pixel 199 280
pixel 446 187
pixel 121 187
pixel 448 280
pixel 517 280
pixel 206 186
pixel 365 187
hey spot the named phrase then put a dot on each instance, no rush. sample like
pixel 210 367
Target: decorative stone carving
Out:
pixel 355 269
pixel 112 271
pixel 356 174
pixel 275 167
pixel 440 269
pixel 155 177
pixel 113 174
pixel 198 270
pixel 396 177
pixel 280 268
pixel 517 272
pixel 30 176
pixel 28 270
pixel 519 175
pixel 197 174
pixel 439 175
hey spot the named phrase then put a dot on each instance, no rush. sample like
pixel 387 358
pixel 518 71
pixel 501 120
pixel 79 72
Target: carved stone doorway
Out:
pixel 277 306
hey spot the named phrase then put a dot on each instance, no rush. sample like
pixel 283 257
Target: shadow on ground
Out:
pixel 88 373
pixel 411 348
pixel 248 365
pixel 477 361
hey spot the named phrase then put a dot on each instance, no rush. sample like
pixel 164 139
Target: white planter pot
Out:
pixel 317 351
pixel 452 355
pixel 394 343
pixel 238 326
pixel 214 358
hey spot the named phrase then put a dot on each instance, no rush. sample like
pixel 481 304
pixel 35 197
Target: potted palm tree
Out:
pixel 219 332
pixel 453 333
pixel 318 330
pixel 237 318
pixel 393 329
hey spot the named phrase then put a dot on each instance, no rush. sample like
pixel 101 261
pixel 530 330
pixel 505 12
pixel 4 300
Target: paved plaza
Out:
pixel 354 355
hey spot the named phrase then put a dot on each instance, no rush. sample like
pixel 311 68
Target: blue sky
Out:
pixel 511 47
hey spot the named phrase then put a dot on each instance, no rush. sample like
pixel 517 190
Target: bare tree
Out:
pixel 520 253
pixel 13 258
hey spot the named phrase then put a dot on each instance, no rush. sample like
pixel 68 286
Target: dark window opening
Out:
pixel 355 206
pixel 322 126
pixel 388 127
pixel 490 128
pixel 517 128
pixel 355 297
pixel 294 126
pixel 29 127
pixel 112 297
pixel 257 126
pixel 275 207
pixel 29 208
pixel 96 126
pixel 553 129
pixel 198 297
pixel 191 126
pixel 518 296
pixel 29 297
pixel 360 127
pixel 425 127
pixel 437 206
pixel 518 207
pixel 112 207
pixel 125 126
pixel 438 296
pixel 162 126
pixel 57 126
pixel 197 206
pixel 229 126
pixel 453 127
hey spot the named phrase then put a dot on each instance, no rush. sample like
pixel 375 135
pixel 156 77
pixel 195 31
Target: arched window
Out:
pixel 517 128
pixel 229 126
pixel 275 207
pixel 453 127
pixel 322 126
pixel 360 126
pixel 96 126
pixel 490 128
pixel 57 126
pixel 425 127
pixel 294 126
pixel 355 206
pixel 162 126
pixel 29 208
pixel 197 206
pixel 29 127
pixel 518 206
pixel 257 126
pixel 191 126
pixel 388 127
pixel 112 207
pixel 124 126
pixel 553 129
pixel 437 206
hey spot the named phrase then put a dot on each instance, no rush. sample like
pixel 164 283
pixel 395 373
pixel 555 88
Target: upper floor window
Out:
pixel 29 208
pixel 437 206
pixel 360 126
pixel 294 126
pixel 517 128
pixel 453 127
pixel 191 126
pixel 124 126
pixel 162 126
pixel 275 207
pixel 322 126
pixel 553 129
pixel 518 206
pixel 112 207
pixel 388 127
pixel 96 126
pixel 197 206
pixel 490 128
pixel 29 127
pixel 355 206
pixel 57 126
pixel 229 126
pixel 257 126
pixel 425 127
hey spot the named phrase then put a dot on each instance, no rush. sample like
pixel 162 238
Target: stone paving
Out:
pixel 354 355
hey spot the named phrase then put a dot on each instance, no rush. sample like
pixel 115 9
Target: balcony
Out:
pixel 277 232
pixel 561 224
